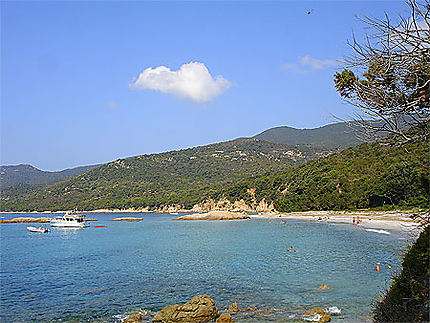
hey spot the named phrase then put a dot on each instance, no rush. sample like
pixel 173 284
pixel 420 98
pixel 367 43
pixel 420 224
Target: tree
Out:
pixel 387 77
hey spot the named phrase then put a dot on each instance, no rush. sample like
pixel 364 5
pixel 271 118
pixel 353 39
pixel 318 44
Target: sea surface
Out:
pixel 104 274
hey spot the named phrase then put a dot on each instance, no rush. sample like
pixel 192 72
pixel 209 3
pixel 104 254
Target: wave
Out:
pixel 378 231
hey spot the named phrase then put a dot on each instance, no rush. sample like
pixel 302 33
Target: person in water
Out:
pixel 377 266
pixel 291 249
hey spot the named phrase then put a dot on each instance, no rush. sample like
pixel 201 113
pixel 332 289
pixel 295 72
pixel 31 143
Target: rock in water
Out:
pixel 324 316
pixel 224 318
pixel 322 287
pixel 200 308
pixel 136 318
pixel 233 308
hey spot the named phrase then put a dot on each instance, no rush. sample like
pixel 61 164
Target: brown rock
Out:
pixel 136 318
pixel 199 309
pixel 251 308
pixel 325 317
pixel 233 308
pixel 128 219
pixel 215 215
pixel 322 287
pixel 27 220
pixel 224 318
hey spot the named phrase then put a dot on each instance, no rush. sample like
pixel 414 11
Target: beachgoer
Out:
pixel 377 266
pixel 353 220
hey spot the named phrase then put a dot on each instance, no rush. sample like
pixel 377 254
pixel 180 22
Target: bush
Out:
pixel 407 300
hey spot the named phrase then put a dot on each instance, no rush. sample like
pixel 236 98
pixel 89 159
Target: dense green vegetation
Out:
pixel 337 135
pixel 179 177
pixel 410 290
pixel 27 174
pixel 368 175
pixel 360 177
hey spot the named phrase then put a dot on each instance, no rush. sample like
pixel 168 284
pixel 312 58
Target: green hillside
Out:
pixel 364 176
pixel 337 135
pixel 184 177
pixel 27 174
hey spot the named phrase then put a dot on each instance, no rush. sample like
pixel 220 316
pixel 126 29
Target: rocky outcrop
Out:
pixel 319 312
pixel 224 318
pixel 214 215
pixel 128 219
pixel 233 308
pixel 199 309
pixel 263 206
pixel 26 220
pixel 135 318
pixel 238 206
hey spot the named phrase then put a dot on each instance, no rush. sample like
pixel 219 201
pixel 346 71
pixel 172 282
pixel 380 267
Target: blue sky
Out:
pixel 74 91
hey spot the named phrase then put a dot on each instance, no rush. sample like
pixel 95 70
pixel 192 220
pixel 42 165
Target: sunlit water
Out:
pixel 103 273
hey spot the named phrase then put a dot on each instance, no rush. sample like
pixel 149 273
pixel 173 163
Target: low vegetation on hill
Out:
pixel 27 174
pixel 365 176
pixel 179 177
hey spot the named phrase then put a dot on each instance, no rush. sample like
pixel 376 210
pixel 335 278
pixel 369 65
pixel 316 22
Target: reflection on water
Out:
pixel 91 273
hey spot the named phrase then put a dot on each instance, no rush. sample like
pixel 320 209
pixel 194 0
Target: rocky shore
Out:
pixel 214 215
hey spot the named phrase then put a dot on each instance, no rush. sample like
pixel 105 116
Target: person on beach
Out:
pixel 353 220
pixel 377 266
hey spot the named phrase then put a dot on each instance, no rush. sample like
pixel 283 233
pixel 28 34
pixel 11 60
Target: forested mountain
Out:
pixel 184 177
pixel 337 135
pixel 27 174
pixel 364 176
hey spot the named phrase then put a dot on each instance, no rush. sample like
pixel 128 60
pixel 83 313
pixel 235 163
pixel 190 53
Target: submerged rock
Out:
pixel 319 313
pixel 128 219
pixel 233 308
pixel 27 220
pixel 215 215
pixel 322 287
pixel 200 308
pixel 224 318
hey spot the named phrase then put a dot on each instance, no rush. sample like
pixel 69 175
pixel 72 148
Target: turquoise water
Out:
pixel 103 273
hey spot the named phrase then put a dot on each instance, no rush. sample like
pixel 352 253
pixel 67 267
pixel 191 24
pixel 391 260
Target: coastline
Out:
pixel 388 220
pixel 398 220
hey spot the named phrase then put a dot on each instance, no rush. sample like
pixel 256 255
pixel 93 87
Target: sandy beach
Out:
pixel 373 220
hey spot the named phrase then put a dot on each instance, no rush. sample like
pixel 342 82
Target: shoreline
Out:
pixel 398 220
pixel 378 220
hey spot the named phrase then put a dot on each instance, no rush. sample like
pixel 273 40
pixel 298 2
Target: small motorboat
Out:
pixel 38 229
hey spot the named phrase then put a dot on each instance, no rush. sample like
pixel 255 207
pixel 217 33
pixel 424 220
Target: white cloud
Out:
pixel 307 64
pixel 316 64
pixel 192 81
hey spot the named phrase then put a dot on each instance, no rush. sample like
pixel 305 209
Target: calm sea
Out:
pixel 101 274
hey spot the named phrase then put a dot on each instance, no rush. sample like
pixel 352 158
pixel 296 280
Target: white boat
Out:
pixel 69 220
pixel 38 229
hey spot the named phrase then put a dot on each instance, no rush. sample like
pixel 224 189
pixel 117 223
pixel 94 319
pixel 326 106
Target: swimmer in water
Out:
pixel 291 249
pixel 377 266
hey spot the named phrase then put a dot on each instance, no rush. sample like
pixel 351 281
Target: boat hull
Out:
pixel 68 225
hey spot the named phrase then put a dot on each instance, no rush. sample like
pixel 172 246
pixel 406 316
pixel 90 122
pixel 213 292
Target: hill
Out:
pixel 365 176
pixel 337 135
pixel 178 177
pixel 27 174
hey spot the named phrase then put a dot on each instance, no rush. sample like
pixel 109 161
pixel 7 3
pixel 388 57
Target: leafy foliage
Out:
pixel 410 290
pixel 365 176
pixel 179 177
